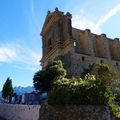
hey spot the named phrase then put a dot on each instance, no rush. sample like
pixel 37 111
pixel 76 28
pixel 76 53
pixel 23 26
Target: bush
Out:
pixel 94 88
pixel 43 79
pixel 63 91
pixel 76 91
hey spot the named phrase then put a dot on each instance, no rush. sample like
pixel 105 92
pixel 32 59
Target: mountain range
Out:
pixel 21 90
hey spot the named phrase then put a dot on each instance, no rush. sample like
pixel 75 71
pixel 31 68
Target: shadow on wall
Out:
pixel 1 118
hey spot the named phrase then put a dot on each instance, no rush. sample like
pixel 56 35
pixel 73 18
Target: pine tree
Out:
pixel 7 89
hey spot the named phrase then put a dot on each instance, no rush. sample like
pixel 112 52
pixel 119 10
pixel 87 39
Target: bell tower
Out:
pixel 56 35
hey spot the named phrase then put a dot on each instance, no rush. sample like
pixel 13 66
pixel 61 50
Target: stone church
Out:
pixel 76 48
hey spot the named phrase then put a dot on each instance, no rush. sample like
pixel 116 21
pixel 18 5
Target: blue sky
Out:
pixel 21 23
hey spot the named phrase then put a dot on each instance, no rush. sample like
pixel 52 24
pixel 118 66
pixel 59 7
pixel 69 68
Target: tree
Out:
pixel 7 89
pixel 43 79
pixel 106 73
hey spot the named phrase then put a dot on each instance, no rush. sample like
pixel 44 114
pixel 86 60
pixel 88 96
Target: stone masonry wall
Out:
pixel 47 112
pixel 19 112
pixel 75 113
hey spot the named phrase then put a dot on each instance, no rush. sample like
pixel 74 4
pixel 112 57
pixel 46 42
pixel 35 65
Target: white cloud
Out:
pixel 18 55
pixel 83 23
pixel 6 54
pixel 33 17
pixel 107 16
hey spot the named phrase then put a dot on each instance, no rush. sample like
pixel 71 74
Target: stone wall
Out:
pixel 75 113
pixel 19 112
pixel 47 112
pixel 102 46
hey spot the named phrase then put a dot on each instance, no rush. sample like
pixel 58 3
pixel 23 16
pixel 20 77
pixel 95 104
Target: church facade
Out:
pixel 76 48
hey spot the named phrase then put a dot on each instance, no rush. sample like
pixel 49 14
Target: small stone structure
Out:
pixel 81 112
pixel 19 112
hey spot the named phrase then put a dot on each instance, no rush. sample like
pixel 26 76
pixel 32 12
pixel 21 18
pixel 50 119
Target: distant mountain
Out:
pixel 21 90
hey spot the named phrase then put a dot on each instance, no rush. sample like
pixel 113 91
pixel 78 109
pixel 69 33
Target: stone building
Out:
pixel 76 48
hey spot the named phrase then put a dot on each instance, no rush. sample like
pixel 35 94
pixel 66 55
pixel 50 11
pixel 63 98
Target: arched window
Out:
pixel 49 42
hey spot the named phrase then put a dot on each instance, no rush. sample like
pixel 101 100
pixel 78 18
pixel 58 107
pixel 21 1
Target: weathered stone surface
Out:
pixel 81 112
pixel 19 112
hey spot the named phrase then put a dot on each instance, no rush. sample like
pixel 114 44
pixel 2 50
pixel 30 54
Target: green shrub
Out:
pixel 94 88
pixel 43 79
pixel 77 91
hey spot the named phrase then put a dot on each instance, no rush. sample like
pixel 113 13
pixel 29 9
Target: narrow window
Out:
pixel 117 64
pixel 101 61
pixel 74 44
pixel 83 58
pixel 49 42
pixel 44 43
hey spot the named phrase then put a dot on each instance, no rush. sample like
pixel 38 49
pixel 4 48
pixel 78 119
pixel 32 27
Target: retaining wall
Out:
pixel 81 112
pixel 47 112
pixel 19 112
